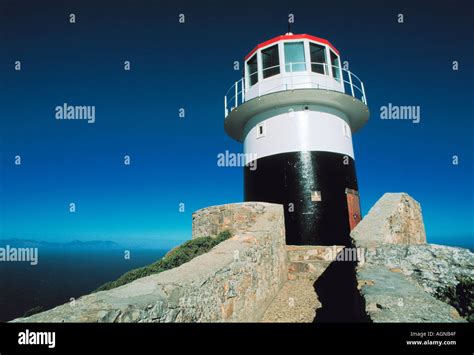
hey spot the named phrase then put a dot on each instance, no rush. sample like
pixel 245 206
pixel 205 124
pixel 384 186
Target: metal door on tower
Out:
pixel 353 207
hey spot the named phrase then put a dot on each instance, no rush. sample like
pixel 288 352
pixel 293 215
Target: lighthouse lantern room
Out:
pixel 295 111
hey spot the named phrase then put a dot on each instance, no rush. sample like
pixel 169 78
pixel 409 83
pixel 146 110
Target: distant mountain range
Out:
pixel 75 244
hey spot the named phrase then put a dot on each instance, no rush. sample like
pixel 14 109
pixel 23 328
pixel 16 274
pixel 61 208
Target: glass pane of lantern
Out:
pixel 270 61
pixel 252 70
pixel 318 58
pixel 335 66
pixel 294 57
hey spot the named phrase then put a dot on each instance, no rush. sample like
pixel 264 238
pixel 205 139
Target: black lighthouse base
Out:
pixel 312 187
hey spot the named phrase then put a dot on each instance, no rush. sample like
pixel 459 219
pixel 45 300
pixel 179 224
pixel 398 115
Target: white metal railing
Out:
pixel 352 85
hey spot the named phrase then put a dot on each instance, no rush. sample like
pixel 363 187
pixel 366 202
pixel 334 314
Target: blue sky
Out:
pixel 190 66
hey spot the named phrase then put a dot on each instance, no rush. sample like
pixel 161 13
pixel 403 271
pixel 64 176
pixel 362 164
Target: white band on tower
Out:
pixel 297 132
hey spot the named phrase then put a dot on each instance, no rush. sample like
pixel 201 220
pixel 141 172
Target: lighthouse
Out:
pixel 295 111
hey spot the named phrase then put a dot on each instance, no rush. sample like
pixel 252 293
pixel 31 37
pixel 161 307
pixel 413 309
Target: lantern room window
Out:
pixel 336 67
pixel 318 58
pixel 270 61
pixel 306 59
pixel 294 57
pixel 252 70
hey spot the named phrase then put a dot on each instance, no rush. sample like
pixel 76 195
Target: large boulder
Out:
pixel 403 279
pixel 395 219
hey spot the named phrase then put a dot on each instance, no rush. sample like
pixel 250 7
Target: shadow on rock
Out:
pixel 337 291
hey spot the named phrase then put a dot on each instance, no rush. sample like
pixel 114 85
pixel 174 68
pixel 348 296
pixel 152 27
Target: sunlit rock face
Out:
pixel 403 279
pixel 396 218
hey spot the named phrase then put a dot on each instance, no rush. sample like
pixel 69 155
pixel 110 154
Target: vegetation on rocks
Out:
pixel 176 257
pixel 460 297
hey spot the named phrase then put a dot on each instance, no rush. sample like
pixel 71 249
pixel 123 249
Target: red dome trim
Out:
pixel 287 37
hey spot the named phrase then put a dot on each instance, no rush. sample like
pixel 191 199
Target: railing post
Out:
pixel 236 98
pixel 350 82
pixel 243 91
pixel 363 92
pixel 226 112
pixel 291 75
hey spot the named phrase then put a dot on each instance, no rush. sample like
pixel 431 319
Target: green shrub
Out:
pixel 176 257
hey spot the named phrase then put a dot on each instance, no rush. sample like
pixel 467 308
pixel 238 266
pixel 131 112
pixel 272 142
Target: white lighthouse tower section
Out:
pixel 295 111
pixel 292 131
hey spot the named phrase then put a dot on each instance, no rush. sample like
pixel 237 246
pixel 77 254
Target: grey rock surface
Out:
pixel 433 266
pixel 392 297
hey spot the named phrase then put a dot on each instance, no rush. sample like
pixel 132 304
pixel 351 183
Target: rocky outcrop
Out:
pixel 254 276
pixel 439 270
pixel 401 278
pixel 391 297
pixel 433 266
pixel 396 218
pixel 234 282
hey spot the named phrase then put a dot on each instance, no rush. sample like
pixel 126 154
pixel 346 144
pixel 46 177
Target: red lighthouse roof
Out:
pixel 289 36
